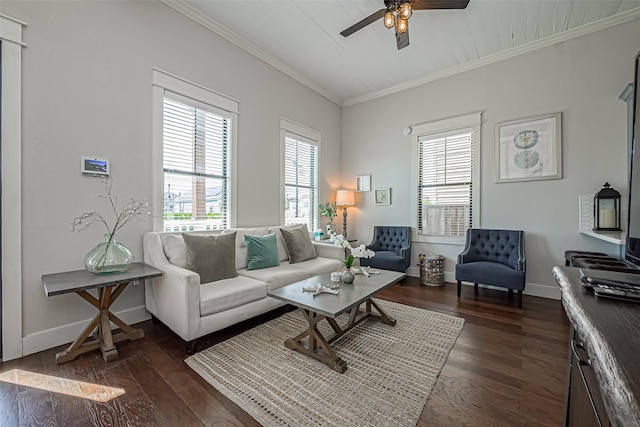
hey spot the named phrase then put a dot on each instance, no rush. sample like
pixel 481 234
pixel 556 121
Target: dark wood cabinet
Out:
pixel 603 388
pixel 585 407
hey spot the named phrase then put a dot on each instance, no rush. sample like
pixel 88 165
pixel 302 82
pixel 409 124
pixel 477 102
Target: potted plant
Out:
pixel 330 211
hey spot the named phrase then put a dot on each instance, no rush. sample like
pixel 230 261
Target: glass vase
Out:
pixel 108 257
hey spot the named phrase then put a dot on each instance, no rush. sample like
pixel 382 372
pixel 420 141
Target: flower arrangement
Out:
pixel 133 209
pixel 359 252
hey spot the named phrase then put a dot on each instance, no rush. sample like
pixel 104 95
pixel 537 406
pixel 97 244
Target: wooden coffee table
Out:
pixel 327 306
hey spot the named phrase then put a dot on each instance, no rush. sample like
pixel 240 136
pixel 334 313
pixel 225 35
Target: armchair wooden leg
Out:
pixel 519 299
pixel 459 288
pixel 475 288
pixel 510 294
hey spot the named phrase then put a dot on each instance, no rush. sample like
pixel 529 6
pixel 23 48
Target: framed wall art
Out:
pixel 383 196
pixel 529 149
pixel 363 183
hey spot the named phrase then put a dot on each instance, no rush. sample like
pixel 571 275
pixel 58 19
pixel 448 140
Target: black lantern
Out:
pixel 606 209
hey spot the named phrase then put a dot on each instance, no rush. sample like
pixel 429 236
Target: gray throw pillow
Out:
pixel 213 257
pixel 298 243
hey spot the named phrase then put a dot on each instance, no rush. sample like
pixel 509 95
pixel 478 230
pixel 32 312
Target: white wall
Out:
pixel 582 78
pixel 87 91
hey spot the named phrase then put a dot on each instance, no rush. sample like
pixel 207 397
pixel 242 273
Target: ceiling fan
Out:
pixel 396 15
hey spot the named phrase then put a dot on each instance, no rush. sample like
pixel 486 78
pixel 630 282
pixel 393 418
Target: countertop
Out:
pixel 611 330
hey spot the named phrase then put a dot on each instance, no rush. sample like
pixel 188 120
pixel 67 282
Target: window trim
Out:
pixel 164 82
pixel 308 135
pixel 473 121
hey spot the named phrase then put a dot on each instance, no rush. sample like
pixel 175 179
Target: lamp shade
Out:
pixel 389 20
pixel 345 198
pixel 402 25
pixel 405 10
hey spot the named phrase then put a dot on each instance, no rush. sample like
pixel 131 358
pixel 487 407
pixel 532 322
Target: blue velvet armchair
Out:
pixel 493 257
pixel 392 245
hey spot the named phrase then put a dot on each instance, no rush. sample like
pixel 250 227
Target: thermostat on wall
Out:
pixel 94 167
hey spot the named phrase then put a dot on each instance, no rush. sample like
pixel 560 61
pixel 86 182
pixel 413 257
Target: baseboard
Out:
pixel 533 289
pixel 49 338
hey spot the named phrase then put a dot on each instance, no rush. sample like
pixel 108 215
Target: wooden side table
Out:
pixel 109 287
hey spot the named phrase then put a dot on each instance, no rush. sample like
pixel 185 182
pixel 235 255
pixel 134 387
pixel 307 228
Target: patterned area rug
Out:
pixel 390 373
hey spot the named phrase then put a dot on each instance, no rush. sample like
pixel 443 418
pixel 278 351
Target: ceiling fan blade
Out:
pixel 366 21
pixel 438 4
pixel 402 39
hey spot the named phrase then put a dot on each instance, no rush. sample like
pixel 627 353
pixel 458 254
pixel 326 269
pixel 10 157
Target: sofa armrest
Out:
pixel 173 298
pixel 325 250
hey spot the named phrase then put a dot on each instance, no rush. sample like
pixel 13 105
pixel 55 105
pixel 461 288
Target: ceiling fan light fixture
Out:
pixel 402 25
pixel 389 19
pixel 405 10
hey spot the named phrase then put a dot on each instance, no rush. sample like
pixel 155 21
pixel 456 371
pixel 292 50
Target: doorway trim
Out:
pixel 10 176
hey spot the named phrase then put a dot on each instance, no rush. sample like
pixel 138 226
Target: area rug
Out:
pixel 390 370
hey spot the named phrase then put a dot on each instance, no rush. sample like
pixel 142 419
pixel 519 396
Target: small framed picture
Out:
pixel 94 167
pixel 363 183
pixel 383 196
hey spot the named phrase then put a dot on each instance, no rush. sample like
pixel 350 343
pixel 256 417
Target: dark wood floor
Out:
pixel 507 368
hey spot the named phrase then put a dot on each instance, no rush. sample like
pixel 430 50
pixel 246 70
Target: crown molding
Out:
pixel 187 10
pixel 506 54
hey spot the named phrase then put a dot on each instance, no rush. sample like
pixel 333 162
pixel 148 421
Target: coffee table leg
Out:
pixel 317 347
pixel 382 316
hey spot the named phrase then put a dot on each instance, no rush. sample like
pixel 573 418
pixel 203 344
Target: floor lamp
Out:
pixel 345 198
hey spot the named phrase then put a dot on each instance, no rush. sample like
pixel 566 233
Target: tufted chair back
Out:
pixel 501 246
pixel 390 238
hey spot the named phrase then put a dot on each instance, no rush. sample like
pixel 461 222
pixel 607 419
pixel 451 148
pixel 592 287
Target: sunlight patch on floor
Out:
pixel 96 392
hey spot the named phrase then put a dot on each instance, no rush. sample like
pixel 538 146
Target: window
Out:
pixel 301 154
pixel 197 144
pixel 447 168
pixel 196 167
pixel 445 171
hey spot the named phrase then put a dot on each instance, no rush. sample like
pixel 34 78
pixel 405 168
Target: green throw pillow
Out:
pixel 298 243
pixel 213 257
pixel 262 251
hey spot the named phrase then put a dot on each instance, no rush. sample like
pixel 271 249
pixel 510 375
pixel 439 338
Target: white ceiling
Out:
pixel 302 37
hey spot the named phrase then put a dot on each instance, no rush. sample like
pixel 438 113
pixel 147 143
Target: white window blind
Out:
pixel 196 165
pixel 300 181
pixel 445 188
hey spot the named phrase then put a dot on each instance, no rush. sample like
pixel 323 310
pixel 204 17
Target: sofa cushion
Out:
pixel 298 244
pixel 174 249
pixel 212 257
pixel 241 246
pixel 491 273
pixel 282 249
pixel 229 293
pixel 262 251
pixel 320 265
pixel 385 260
pixel 276 277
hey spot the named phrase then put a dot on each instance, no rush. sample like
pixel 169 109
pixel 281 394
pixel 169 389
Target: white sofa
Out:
pixel 193 309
